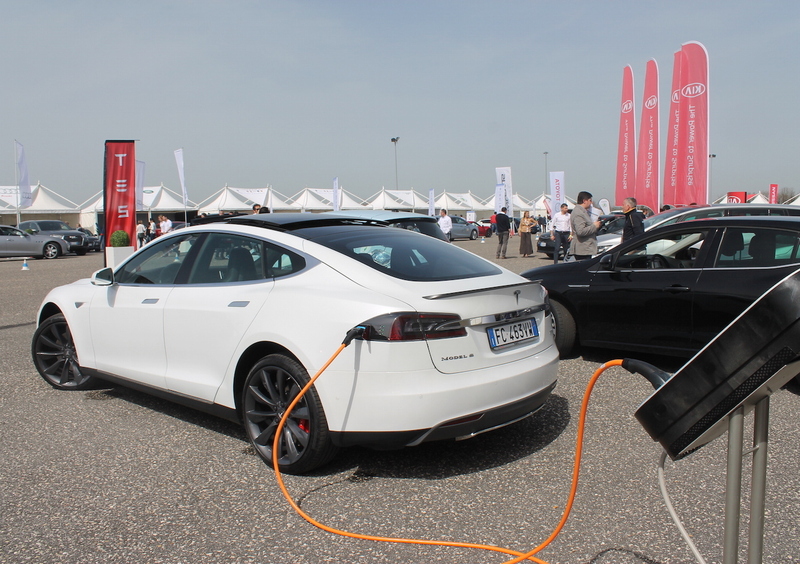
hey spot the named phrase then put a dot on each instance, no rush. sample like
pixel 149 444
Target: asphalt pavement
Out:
pixel 112 475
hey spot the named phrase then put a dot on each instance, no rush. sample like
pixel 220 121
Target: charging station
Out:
pixel 734 374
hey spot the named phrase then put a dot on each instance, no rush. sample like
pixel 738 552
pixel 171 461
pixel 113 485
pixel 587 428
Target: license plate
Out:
pixel 512 333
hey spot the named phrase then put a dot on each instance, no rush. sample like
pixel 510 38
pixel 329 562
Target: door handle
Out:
pixel 677 289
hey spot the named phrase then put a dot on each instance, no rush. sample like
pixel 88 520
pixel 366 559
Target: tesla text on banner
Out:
pixel 647 157
pixel 626 149
pixel 120 188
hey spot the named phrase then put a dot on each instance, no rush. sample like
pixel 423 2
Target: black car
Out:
pixel 92 240
pixel 672 289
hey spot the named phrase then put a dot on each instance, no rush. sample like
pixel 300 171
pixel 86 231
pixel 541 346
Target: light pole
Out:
pixel 545 172
pixel 396 183
pixel 710 157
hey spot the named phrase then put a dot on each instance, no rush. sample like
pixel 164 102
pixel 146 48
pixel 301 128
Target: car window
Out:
pixel 405 255
pixel 747 248
pixel 677 250
pixel 158 263
pixel 227 257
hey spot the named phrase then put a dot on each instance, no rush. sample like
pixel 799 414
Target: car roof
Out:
pixel 288 221
pixel 790 221
pixel 383 215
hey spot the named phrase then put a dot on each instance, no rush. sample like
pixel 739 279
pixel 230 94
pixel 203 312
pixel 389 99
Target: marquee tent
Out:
pixel 46 204
pixel 517 201
pixel 460 202
pixel 400 200
pixel 230 199
pixel 321 199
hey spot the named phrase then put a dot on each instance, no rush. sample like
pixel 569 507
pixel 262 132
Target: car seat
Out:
pixel 240 266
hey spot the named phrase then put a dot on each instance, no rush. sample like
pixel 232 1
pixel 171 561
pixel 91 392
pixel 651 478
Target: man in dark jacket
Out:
pixel 634 219
pixel 503 227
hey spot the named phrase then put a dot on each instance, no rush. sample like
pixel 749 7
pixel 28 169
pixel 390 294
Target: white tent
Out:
pixel 46 204
pixel 230 199
pixel 539 208
pixel 460 202
pixel 400 200
pixel 517 201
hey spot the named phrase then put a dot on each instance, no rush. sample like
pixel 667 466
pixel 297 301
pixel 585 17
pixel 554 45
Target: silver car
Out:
pixel 17 243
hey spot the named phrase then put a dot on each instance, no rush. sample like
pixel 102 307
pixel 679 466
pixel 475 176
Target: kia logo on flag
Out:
pixel 627 106
pixel 676 96
pixel 651 102
pixel 693 90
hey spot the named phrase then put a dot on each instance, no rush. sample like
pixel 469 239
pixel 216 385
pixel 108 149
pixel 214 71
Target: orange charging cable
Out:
pixel 519 555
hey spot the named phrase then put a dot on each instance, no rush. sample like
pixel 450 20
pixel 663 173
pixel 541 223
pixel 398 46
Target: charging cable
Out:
pixel 519 556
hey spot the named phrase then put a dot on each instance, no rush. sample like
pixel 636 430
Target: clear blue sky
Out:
pixel 292 94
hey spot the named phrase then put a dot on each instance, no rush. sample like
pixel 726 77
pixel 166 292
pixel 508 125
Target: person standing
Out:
pixel 445 223
pixel 503 227
pixel 141 233
pixel 526 224
pixel 166 225
pixel 634 219
pixel 151 230
pixel 561 232
pixel 584 230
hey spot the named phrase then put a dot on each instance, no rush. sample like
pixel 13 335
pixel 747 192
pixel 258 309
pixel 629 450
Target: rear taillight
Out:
pixel 413 327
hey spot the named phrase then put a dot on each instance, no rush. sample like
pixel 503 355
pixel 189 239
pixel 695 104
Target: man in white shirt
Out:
pixel 561 231
pixel 166 225
pixel 445 223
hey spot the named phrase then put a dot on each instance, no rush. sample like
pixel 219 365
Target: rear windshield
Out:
pixel 401 253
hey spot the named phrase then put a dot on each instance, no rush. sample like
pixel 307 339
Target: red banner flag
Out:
pixel 693 170
pixel 119 196
pixel 626 152
pixel 737 197
pixel 647 157
pixel 673 134
pixel 773 193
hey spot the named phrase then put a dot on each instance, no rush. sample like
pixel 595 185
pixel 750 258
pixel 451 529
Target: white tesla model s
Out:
pixel 232 316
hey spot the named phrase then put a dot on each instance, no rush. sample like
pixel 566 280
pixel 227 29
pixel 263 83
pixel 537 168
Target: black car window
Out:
pixel 227 257
pixel 158 263
pixel 749 247
pixel 676 250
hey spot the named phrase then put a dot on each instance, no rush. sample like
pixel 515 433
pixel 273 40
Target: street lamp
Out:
pixel 545 173
pixel 710 157
pixel 395 140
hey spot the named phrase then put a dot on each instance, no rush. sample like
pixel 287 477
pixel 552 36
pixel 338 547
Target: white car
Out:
pixel 231 317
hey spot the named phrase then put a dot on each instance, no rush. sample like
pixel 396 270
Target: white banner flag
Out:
pixel 499 197
pixel 139 185
pixel 431 203
pixel 336 194
pixel 179 161
pixel 504 177
pixel 557 194
pixel 24 198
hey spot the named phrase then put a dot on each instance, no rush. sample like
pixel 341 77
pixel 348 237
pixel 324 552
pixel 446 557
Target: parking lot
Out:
pixel 113 475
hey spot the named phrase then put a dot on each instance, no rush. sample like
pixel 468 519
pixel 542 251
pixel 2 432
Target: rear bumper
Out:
pixel 461 428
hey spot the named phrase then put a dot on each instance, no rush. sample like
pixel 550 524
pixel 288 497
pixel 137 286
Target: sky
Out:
pixel 293 94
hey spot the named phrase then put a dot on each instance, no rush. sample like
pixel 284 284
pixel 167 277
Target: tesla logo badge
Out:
pixel 516 295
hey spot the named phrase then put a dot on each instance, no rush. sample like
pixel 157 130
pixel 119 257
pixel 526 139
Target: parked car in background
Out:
pixel 418 222
pixel 671 290
pixel 92 240
pixel 687 213
pixel 463 229
pixel 484 227
pixel 17 243
pixel 235 316
pixel 58 229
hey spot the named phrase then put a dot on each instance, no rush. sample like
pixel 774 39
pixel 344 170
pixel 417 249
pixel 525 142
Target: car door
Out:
pixel 645 300
pixel 206 318
pixel 14 243
pixel 459 228
pixel 750 260
pixel 127 318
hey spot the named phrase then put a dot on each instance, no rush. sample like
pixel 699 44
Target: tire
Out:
pixel 80 252
pixel 564 327
pixel 270 387
pixel 55 358
pixel 473 234
pixel 51 251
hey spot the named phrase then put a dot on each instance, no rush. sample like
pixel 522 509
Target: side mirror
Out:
pixel 607 262
pixel 103 277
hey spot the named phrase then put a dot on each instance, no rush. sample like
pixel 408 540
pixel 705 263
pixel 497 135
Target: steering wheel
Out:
pixel 657 261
